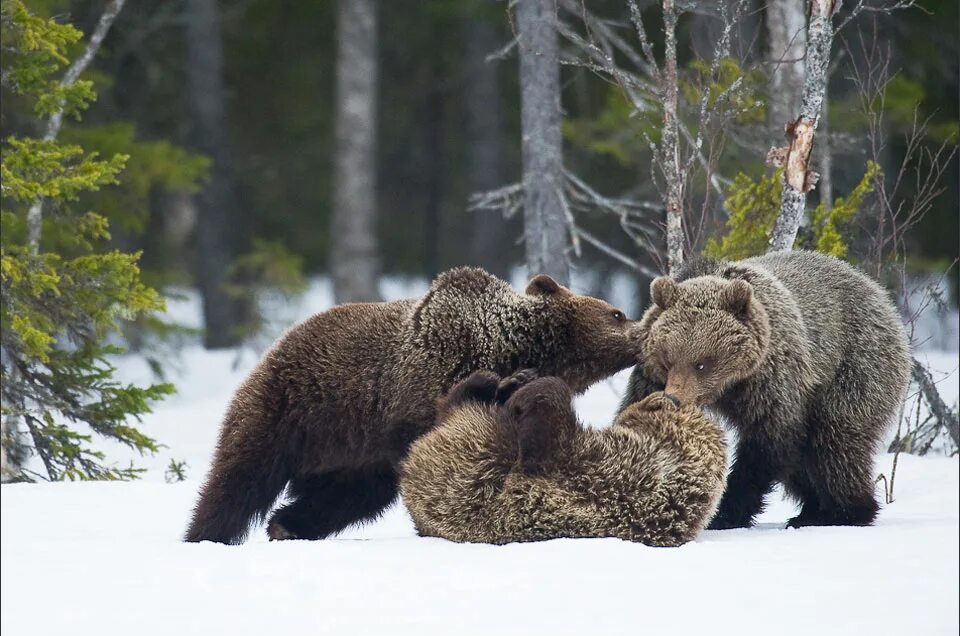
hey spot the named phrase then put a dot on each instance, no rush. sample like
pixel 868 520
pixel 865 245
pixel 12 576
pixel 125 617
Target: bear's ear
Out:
pixel 663 291
pixel 736 297
pixel 543 285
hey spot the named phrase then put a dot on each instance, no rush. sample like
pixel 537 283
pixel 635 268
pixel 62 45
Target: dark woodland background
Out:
pixel 448 124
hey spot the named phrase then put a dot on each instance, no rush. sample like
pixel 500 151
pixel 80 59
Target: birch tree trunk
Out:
pixel 544 232
pixel 217 201
pixel 798 179
pixel 786 27
pixel 670 142
pixel 52 129
pixel 354 252
pixel 484 127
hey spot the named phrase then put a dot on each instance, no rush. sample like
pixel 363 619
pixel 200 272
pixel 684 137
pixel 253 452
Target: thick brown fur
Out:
pixel 508 464
pixel 804 355
pixel 334 405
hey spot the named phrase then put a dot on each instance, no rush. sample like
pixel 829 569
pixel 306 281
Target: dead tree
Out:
pixel 354 251
pixel 798 179
pixel 544 223
pixel 653 86
pixel 669 145
pixel 786 30
pixel 896 212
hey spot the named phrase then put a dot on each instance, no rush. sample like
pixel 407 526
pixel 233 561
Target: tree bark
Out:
pixel 544 232
pixel 786 42
pixel 826 151
pixel 354 252
pixel 489 235
pixel 217 200
pixel 798 179
pixel 670 142
pixel 52 130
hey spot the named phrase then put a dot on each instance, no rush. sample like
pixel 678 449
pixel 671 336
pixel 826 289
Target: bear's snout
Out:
pixel 683 388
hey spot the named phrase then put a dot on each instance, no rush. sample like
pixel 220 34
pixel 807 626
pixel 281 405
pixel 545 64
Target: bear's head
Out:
pixel 702 336
pixel 585 339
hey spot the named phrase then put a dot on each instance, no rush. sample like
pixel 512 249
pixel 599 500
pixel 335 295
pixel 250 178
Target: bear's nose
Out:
pixel 672 398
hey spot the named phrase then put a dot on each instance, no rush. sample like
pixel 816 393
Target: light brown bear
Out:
pixel 512 463
pixel 332 408
pixel 804 355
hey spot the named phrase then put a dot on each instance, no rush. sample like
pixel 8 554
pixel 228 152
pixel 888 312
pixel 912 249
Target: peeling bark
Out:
pixel 785 22
pixel 545 231
pixel 797 177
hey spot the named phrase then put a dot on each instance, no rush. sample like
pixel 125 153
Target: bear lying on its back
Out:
pixel 509 461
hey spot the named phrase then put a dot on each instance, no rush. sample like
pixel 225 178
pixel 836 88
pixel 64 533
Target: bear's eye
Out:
pixel 703 365
pixel 618 315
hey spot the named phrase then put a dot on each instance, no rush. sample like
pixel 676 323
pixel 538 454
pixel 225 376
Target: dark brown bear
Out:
pixel 500 468
pixel 804 355
pixel 334 405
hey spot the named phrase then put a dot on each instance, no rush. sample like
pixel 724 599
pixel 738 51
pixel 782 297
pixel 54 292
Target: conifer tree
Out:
pixel 64 292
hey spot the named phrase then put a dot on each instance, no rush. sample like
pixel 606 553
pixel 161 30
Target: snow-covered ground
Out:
pixel 105 558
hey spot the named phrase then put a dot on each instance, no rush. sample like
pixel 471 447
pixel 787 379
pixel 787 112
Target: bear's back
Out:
pixel 844 311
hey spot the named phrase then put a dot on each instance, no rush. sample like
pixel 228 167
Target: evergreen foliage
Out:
pixel 63 299
pixel 753 206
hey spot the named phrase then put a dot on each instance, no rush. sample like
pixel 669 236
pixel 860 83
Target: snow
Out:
pixel 106 558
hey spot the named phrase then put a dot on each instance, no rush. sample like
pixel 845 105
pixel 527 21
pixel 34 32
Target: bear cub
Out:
pixel 804 355
pixel 333 406
pixel 509 461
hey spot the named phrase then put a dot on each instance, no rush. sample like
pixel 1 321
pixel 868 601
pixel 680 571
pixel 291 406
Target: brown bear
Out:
pixel 333 406
pixel 804 355
pixel 510 463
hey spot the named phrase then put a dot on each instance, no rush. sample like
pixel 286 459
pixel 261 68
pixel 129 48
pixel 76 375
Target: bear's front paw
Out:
pixel 721 522
pixel 277 532
pixel 479 386
pixel 509 385
pixel 659 401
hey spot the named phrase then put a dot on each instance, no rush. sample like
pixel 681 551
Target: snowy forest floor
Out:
pixel 106 558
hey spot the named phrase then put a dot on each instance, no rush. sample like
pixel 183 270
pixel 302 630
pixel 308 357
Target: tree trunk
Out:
pixel 217 201
pixel 52 129
pixel 798 179
pixel 489 235
pixel 544 232
pixel 354 253
pixel 434 127
pixel 669 144
pixel 826 151
pixel 786 42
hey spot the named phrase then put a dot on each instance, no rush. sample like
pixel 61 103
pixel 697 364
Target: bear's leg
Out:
pixel 842 476
pixel 479 386
pixel 510 384
pixel 257 453
pixel 847 420
pixel 327 503
pixel 541 415
pixel 800 486
pixel 749 482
